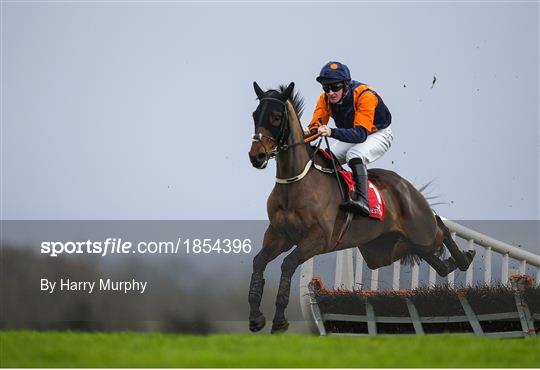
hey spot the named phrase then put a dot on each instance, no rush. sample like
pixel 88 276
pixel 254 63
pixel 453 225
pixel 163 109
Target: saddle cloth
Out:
pixel 376 201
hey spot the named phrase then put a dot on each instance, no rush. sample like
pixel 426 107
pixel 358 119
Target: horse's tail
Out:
pixel 425 190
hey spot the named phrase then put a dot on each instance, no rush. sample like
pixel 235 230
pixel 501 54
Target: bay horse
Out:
pixel 303 209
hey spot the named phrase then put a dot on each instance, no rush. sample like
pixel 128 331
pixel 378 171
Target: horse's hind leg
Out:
pixel 273 246
pixel 463 259
pixel 428 254
pixel 443 268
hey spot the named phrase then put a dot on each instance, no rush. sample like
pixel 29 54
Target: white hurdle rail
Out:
pixel 346 278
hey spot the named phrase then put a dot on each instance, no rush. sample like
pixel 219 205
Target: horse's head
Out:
pixel 271 124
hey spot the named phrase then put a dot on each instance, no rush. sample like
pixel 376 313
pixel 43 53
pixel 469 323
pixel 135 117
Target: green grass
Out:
pixel 73 349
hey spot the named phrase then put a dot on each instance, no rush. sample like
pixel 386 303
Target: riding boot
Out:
pixel 361 204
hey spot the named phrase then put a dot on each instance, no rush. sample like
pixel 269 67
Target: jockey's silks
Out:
pixel 361 112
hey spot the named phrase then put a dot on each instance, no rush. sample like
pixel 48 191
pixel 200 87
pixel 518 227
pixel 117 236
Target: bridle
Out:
pixel 283 134
pixel 282 146
pixel 283 131
pixel 282 137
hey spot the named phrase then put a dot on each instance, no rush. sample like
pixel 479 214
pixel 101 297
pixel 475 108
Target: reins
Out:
pixel 335 169
pixel 281 146
pixel 304 172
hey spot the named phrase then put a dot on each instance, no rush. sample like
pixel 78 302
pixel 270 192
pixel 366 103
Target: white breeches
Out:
pixel 370 150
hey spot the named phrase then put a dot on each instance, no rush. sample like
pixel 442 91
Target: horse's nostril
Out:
pixel 254 159
pixel 261 156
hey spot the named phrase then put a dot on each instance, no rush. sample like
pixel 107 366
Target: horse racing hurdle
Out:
pixel 350 289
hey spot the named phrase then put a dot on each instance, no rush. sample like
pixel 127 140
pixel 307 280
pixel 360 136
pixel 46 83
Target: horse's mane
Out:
pixel 296 100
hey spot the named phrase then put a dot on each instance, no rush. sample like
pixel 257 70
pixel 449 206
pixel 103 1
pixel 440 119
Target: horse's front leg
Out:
pixel 273 246
pixel 298 256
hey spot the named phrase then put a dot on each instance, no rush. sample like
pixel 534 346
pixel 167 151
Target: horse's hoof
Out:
pixel 469 255
pixel 257 323
pixel 279 326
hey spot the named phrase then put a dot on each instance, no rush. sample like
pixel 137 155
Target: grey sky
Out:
pixel 143 110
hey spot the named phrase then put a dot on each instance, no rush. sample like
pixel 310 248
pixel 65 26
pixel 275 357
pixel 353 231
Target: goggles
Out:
pixel 334 87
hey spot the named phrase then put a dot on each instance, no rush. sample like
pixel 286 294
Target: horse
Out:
pixel 303 209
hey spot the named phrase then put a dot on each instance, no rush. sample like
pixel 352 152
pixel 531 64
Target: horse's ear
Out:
pixel 287 93
pixel 258 90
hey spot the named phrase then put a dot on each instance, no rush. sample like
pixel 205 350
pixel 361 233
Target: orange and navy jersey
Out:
pixel 361 113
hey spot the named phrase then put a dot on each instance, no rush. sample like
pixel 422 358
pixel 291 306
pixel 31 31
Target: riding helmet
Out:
pixel 333 72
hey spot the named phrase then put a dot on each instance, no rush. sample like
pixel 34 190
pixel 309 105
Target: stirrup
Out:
pixel 356 207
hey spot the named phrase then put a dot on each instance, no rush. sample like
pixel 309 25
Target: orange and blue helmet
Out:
pixel 333 72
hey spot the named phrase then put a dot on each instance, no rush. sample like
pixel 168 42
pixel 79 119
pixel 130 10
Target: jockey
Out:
pixel 362 126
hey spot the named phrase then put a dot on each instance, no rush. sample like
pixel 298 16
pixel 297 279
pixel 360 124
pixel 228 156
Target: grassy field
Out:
pixel 72 349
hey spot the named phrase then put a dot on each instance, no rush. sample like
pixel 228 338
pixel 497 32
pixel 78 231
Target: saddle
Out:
pixel 376 201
